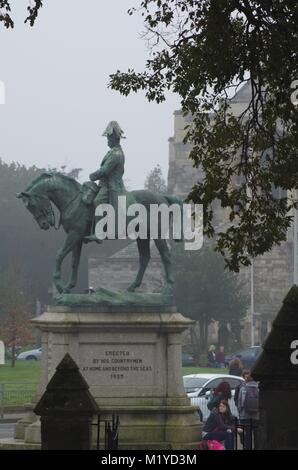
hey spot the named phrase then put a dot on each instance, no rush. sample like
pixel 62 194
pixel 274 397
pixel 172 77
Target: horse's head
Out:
pixel 40 207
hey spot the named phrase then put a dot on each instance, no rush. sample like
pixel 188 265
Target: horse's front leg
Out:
pixel 71 240
pixel 76 255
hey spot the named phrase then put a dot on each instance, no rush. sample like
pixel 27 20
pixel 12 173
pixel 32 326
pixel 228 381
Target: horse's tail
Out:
pixel 176 200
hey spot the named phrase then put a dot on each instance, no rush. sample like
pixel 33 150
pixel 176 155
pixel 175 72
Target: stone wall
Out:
pixel 117 272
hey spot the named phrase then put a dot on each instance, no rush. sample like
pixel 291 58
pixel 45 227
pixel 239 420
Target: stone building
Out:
pixel 273 272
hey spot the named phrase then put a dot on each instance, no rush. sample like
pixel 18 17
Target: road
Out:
pixel 6 430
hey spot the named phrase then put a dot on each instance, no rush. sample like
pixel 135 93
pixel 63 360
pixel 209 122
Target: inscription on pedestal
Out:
pixel 119 365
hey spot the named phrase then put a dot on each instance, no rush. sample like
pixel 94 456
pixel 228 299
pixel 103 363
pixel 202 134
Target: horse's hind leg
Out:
pixel 165 255
pixel 144 257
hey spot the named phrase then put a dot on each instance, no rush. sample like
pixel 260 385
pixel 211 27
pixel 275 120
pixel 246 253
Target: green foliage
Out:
pixel 15 309
pixel 205 291
pixel 14 290
pixel 204 51
pixel 22 243
pixel 204 288
pixel 155 181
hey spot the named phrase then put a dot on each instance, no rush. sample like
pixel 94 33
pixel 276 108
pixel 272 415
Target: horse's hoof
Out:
pixel 168 290
pixel 59 289
pixel 131 288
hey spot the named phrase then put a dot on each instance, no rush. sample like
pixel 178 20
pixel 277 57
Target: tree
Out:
pixel 22 241
pixel 205 291
pixel 15 309
pixel 5 10
pixel 73 173
pixel 204 51
pixel 155 181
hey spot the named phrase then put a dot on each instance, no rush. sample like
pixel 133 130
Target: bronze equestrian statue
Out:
pixel 76 202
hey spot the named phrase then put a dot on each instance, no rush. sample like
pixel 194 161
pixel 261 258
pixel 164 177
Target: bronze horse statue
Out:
pixel 76 219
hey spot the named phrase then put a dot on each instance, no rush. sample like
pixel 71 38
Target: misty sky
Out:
pixel 57 101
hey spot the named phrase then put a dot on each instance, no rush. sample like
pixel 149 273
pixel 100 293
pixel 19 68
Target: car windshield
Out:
pixel 192 384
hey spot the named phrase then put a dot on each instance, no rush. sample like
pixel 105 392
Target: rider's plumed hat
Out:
pixel 114 128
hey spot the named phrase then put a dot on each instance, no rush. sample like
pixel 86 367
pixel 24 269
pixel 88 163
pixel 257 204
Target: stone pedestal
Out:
pixel 131 360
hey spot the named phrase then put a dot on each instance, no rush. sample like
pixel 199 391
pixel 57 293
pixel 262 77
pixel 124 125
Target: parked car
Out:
pixel 248 356
pixel 32 355
pixel 188 360
pixel 199 387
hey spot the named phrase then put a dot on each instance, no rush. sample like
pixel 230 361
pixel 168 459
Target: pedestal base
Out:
pixel 131 359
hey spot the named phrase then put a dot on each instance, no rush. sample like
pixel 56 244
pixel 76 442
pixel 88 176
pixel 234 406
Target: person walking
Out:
pixel 211 356
pixel 248 406
pixel 245 376
pixel 220 357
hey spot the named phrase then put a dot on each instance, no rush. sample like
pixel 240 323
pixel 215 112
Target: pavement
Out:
pixel 11 417
pixel 6 430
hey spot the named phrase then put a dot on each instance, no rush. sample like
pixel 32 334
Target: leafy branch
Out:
pixel 5 12
pixel 202 51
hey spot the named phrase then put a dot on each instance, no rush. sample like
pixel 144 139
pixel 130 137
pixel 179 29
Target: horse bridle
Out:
pixel 47 212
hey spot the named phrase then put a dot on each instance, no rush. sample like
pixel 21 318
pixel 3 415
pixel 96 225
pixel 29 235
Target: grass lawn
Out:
pixel 29 372
pixel 18 384
pixel 24 371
